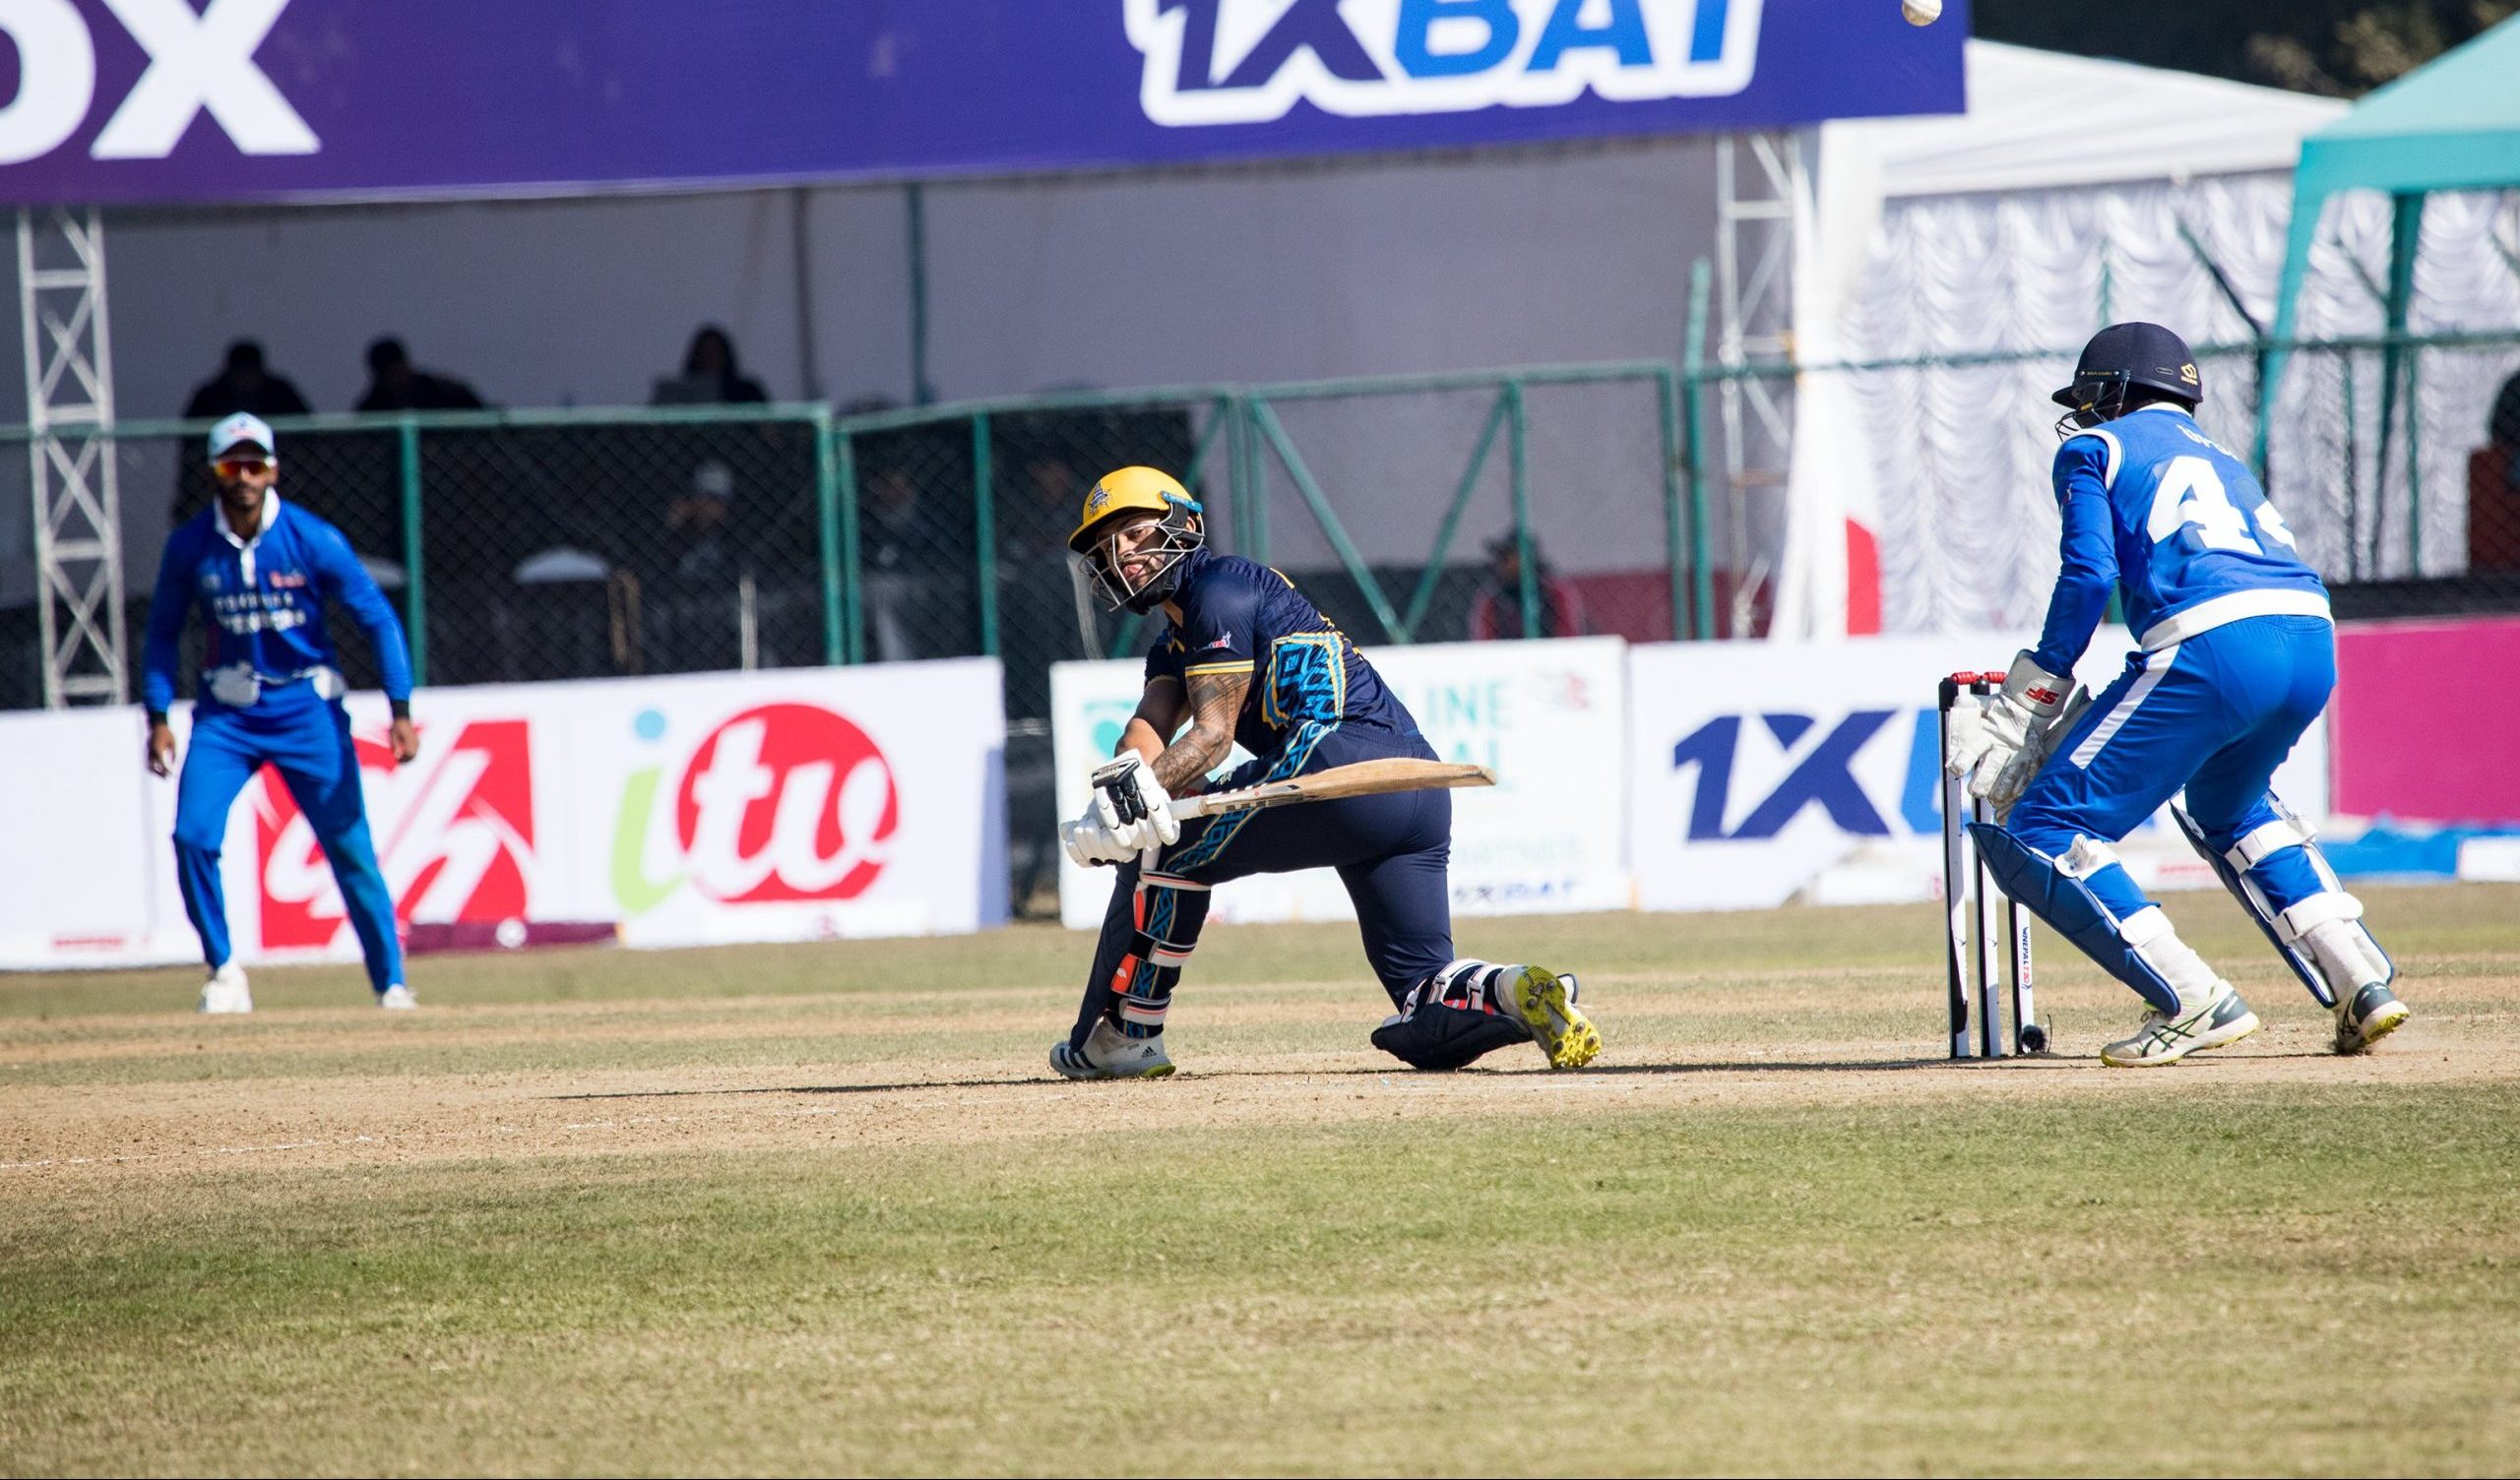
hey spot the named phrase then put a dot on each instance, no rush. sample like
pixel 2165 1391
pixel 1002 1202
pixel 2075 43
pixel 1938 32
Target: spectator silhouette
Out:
pixel 395 385
pixel 709 375
pixel 2494 487
pixel 1497 610
pixel 243 384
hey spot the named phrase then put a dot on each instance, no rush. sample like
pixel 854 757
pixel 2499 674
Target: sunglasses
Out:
pixel 237 467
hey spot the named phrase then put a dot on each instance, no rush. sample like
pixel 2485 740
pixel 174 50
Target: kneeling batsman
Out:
pixel 1245 657
pixel 2235 657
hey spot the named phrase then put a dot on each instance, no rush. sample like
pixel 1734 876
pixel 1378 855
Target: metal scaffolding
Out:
pixel 69 414
pixel 1754 281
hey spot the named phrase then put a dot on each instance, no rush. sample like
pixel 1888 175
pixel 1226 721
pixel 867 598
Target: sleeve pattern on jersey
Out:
pixel 1307 680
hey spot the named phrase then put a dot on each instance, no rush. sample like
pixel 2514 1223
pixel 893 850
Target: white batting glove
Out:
pixel 1133 806
pixel 1089 843
pixel 2020 725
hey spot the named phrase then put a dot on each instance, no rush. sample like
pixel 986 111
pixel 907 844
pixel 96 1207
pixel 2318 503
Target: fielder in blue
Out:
pixel 269 693
pixel 1246 657
pixel 2235 658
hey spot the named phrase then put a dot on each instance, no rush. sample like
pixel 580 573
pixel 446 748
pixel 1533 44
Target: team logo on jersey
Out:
pixel 1250 61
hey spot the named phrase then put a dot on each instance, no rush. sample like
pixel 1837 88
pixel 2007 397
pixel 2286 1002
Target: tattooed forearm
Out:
pixel 1215 700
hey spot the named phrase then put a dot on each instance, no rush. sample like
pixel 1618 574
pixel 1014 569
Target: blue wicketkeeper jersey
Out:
pixel 264 602
pixel 2178 525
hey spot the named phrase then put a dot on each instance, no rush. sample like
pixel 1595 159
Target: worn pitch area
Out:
pixel 824 1208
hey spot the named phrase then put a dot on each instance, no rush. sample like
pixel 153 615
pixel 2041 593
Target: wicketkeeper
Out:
pixel 1246 657
pixel 269 693
pixel 2235 657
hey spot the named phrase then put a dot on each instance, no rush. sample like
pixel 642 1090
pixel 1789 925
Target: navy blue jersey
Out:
pixel 2178 525
pixel 264 601
pixel 1238 616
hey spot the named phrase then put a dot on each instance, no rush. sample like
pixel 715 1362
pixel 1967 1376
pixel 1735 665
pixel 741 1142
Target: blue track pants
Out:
pixel 308 740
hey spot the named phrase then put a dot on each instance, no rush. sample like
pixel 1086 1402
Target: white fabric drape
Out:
pixel 1961 452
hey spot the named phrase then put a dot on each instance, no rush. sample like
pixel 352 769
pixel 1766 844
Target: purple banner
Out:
pixel 206 100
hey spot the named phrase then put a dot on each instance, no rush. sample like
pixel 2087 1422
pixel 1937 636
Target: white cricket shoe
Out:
pixel 225 991
pixel 1110 1053
pixel 2168 1037
pixel 397 998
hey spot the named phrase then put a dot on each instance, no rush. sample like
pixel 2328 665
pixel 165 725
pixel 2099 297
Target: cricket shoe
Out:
pixel 1546 1003
pixel 397 998
pixel 1110 1053
pixel 2168 1037
pixel 225 991
pixel 2367 1016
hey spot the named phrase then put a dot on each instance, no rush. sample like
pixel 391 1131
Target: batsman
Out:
pixel 1244 656
pixel 2235 658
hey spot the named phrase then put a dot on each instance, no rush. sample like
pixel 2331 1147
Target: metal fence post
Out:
pixel 984 532
pixel 414 559
pixel 1518 451
pixel 1701 580
pixel 1667 398
pixel 1256 478
pixel 831 465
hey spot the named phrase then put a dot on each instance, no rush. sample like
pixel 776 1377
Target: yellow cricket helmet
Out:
pixel 1122 498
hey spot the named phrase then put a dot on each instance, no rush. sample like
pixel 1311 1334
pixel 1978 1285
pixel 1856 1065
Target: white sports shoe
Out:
pixel 2165 1038
pixel 1110 1053
pixel 225 991
pixel 397 998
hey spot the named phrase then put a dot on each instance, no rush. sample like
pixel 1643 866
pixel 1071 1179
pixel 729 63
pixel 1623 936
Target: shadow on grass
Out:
pixel 2014 1063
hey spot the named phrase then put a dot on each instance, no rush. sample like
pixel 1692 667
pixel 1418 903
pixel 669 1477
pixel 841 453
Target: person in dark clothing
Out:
pixel 2494 487
pixel 1496 608
pixel 244 384
pixel 709 375
pixel 396 385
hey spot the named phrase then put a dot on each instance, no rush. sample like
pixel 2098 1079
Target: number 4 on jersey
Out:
pixel 2191 493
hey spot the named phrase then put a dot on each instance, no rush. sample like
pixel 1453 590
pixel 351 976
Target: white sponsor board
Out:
pixel 1547 717
pixel 1770 772
pixel 790 805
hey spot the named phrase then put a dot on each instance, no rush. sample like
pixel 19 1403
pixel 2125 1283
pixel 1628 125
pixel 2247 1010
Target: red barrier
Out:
pixel 2423 723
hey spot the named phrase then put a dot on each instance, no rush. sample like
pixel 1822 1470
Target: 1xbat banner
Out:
pixel 206 100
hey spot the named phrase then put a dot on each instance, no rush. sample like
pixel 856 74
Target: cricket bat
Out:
pixel 1364 778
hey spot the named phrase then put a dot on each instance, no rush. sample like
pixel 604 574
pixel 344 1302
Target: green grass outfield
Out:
pixel 821 1208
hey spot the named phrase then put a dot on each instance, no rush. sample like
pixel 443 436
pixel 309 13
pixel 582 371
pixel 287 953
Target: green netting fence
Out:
pixel 526 545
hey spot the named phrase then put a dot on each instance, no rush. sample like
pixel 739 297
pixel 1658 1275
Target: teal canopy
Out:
pixel 2451 124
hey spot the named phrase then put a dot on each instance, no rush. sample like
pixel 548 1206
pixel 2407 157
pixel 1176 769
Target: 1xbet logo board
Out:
pixel 1249 61
pixel 166 102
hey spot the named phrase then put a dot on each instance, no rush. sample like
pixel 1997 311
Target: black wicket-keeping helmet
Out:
pixel 2119 359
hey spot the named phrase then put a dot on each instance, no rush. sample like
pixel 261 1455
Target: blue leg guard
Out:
pixel 2281 880
pixel 2056 891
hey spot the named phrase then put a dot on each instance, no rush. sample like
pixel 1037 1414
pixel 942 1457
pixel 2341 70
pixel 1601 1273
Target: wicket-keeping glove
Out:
pixel 2014 732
